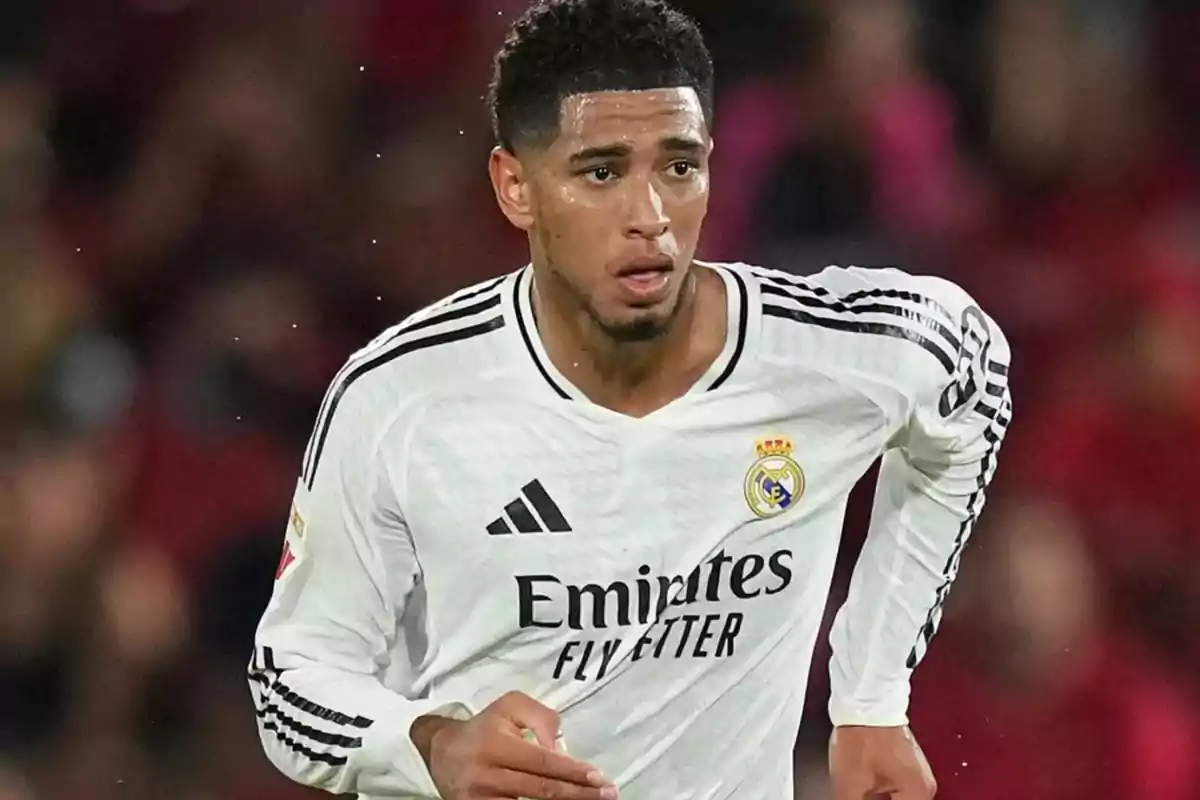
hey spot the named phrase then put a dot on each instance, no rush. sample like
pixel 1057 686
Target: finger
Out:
pixel 517 784
pixel 560 744
pixel 535 760
pixel 528 714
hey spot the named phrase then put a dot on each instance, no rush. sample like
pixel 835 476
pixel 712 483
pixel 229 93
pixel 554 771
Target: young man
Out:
pixel 573 530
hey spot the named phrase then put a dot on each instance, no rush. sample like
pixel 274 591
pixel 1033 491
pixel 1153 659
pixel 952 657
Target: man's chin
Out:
pixel 645 329
pixel 638 324
pixel 644 321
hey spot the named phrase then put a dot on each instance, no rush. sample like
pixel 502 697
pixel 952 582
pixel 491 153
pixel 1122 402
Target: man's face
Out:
pixel 616 203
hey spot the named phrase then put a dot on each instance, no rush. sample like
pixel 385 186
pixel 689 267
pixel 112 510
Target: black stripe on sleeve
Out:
pixel 280 689
pixel 297 747
pixel 926 321
pixel 271 676
pixel 292 733
pixel 270 709
pixel 859 326
pixel 310 448
pixel 898 294
pixel 454 310
pixel 434 340
pixel 798 282
pixel 483 288
pixel 993 413
pixel 457 312
pixel 974 506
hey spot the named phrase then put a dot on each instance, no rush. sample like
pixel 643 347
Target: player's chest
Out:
pixel 563 486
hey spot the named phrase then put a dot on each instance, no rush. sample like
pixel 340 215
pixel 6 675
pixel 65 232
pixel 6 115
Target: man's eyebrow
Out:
pixel 682 144
pixel 673 144
pixel 602 152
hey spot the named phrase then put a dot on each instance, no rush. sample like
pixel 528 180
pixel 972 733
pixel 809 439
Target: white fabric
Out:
pixel 672 625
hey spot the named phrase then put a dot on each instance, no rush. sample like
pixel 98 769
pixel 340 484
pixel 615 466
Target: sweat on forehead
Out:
pixel 620 112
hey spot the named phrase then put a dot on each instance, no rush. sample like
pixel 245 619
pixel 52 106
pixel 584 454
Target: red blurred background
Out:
pixel 205 205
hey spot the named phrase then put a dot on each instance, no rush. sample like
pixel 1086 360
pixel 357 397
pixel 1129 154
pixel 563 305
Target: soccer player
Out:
pixel 571 531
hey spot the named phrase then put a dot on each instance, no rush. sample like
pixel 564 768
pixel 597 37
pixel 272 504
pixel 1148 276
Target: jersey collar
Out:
pixel 738 318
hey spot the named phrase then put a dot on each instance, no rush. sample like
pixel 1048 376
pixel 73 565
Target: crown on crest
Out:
pixel 778 446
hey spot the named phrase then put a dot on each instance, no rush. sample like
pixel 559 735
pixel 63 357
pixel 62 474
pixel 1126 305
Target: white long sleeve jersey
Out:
pixel 467 523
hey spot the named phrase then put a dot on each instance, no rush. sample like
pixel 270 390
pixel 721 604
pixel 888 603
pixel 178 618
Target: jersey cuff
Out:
pixel 884 713
pixel 389 753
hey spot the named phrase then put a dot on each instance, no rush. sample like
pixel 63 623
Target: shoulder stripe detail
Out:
pixel 858 326
pixel 387 356
pixel 743 321
pixel 454 310
pixel 469 292
pixel 293 734
pixel 852 307
pixel 797 282
pixel 524 328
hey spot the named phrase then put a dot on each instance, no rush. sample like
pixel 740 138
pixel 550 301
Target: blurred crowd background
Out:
pixel 205 205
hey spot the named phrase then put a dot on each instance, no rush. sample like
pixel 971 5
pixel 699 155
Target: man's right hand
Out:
pixel 487 756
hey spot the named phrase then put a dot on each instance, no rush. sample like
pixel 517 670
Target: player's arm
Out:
pixel 930 493
pixel 324 717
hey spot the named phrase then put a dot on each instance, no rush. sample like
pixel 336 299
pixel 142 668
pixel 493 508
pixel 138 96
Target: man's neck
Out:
pixel 637 378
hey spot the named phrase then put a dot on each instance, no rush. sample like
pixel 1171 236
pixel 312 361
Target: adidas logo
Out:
pixel 524 520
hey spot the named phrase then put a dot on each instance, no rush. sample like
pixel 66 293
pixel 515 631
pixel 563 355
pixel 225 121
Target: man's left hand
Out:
pixel 877 763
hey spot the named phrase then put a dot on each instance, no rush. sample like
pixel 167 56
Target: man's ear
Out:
pixel 510 181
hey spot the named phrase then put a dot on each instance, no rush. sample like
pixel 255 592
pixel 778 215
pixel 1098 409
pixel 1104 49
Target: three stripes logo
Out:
pixel 527 521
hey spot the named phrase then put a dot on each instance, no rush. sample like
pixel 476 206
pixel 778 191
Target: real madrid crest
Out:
pixel 775 482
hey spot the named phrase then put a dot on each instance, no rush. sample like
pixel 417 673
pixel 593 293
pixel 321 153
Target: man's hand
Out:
pixel 878 762
pixel 487 757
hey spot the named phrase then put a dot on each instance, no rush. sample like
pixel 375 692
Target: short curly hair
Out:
pixel 558 48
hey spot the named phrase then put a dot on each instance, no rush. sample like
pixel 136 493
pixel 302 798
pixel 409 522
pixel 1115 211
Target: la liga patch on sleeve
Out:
pixel 293 544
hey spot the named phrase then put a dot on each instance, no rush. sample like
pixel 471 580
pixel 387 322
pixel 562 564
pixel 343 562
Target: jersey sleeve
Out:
pixel 348 569
pixel 930 493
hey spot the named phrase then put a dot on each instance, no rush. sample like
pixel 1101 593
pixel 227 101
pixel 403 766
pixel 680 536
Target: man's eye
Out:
pixel 601 174
pixel 682 169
